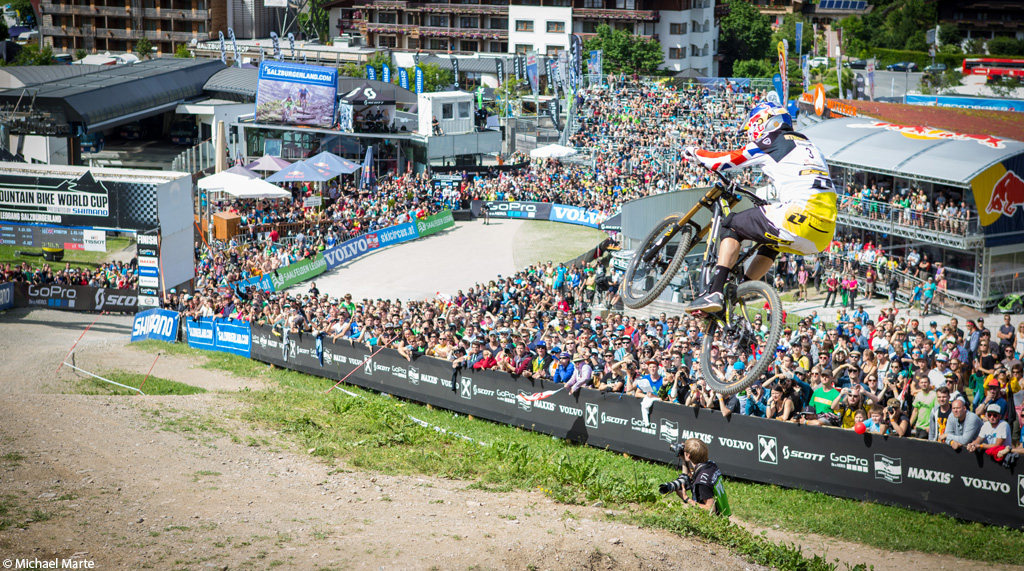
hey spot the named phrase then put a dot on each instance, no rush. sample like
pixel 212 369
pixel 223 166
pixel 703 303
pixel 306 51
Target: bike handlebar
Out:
pixel 734 187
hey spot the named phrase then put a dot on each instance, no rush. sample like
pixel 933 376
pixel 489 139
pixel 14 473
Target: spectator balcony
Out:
pixel 924 226
pixel 469 33
pixel 605 14
pixel 391 5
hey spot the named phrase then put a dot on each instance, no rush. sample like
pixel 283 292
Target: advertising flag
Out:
pixel 234 46
pixel 533 73
pixel 499 70
pixel 419 80
pixel 455 70
pixel 517 67
pixel 799 37
pixel 276 41
pixel 223 50
pixel 291 43
pixel 784 91
pixel 366 176
pixel 386 74
pixel 403 77
pixel 371 72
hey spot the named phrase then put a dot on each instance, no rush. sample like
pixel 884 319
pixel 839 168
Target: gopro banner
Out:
pixel 539 211
pixel 224 335
pixel 76 298
pixel 159 324
pixel 6 296
pixel 897 471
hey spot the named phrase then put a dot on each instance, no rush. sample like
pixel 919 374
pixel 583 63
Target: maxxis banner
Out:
pixel 911 473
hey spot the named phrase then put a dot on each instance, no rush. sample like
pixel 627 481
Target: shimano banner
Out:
pixel 159 324
pixel 225 335
pixel 898 471
pixel 76 298
pixel 6 296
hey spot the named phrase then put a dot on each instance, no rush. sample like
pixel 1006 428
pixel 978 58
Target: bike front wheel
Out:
pixel 655 263
pixel 734 333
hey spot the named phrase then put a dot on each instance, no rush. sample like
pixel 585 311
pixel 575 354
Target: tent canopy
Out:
pixel 268 163
pixel 367 94
pixel 256 188
pixel 299 172
pixel 919 153
pixel 552 151
pixel 242 171
pixel 221 181
pixel 331 164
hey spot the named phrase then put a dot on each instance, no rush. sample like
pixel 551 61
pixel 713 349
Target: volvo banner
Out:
pixel 539 211
pixel 158 324
pixel 899 471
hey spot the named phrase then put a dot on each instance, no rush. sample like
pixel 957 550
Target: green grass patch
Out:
pixel 153 385
pixel 543 241
pixel 377 433
pixel 77 258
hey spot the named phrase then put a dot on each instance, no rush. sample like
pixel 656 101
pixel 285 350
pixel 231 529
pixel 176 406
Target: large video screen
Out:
pixel 296 94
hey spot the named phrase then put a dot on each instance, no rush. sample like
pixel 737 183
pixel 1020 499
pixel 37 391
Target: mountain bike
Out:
pixel 736 331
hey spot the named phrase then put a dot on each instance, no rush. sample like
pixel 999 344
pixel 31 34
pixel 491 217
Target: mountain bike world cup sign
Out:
pixel 58 201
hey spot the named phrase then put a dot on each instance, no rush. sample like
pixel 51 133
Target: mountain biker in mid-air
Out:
pixel 803 223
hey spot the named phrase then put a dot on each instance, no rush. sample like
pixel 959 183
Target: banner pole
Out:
pixel 366 360
pixel 148 372
pixel 76 342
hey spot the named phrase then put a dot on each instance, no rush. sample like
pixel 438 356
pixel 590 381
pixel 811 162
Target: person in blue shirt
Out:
pixel 756 401
pixel 564 370
pixel 649 384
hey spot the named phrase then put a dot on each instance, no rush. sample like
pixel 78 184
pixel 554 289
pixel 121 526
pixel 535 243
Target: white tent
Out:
pixel 256 188
pixel 552 151
pixel 221 181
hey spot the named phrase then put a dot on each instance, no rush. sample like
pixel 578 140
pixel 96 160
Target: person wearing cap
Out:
pixel 581 374
pixel 564 370
pixel 649 384
pixel 994 434
pixel 540 365
pixel 993 397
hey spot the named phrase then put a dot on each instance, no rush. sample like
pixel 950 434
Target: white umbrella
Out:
pixel 221 181
pixel 256 188
pixel 552 151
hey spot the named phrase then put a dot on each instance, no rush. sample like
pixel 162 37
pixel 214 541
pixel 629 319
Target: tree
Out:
pixel 744 34
pixel 144 48
pixel 949 34
pixel 1003 46
pixel 32 54
pixel 79 54
pixel 906 19
pixel 315 21
pixel 753 68
pixel 23 8
pixel 435 78
pixel 974 46
pixel 917 42
pixel 624 52
pixel 377 62
pixel 5 33
pixel 353 70
pixel 787 31
pixel 182 51
pixel 939 83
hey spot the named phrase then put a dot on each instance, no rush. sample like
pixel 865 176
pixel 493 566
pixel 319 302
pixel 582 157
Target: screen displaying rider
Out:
pixel 700 484
pixel 805 220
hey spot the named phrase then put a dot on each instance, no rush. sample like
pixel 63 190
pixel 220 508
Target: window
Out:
pixel 463 109
pixel 469 22
pixel 387 18
pixel 556 27
pixel 386 42
pixel 438 45
pixel 593 3
pixel 676 53
pixel 412 43
pixel 590 27
pixel 438 22
pixel 469 45
pixel 625 4
pixel 412 19
pixel 499 24
pixel 446 111
pixel 521 49
pixel 562 3
pixel 552 51
pixel 499 47
pixel 524 25
pixel 677 29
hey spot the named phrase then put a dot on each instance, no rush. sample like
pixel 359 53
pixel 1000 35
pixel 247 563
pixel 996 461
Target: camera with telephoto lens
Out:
pixel 676 449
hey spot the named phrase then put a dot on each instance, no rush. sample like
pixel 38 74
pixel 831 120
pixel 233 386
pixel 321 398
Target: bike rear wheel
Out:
pixel 739 336
pixel 646 279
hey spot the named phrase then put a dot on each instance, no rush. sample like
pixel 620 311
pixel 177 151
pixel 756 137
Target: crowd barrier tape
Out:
pixel 225 335
pixel 914 474
pixel 526 210
pixel 75 298
pixel 6 296
pixel 158 324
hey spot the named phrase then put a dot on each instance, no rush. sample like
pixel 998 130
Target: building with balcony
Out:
pixel 118 25
pixel 984 19
pixel 686 28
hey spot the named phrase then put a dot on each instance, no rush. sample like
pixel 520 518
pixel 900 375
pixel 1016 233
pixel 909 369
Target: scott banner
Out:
pixel 76 298
pixel 436 223
pixel 159 324
pixel 225 335
pixel 911 473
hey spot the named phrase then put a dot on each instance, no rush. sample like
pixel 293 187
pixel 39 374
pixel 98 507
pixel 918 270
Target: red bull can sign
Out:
pixel 999 194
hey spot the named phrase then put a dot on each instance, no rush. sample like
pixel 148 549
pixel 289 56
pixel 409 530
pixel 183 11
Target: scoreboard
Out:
pixel 33 236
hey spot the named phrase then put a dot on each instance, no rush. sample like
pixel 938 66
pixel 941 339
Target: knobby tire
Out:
pixel 641 299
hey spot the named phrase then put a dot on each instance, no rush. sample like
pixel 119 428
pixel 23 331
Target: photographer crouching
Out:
pixel 701 478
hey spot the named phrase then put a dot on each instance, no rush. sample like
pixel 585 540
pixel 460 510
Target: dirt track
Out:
pixel 167 482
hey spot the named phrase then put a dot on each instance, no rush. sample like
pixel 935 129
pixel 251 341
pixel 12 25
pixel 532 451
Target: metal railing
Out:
pixel 196 159
pixel 907 216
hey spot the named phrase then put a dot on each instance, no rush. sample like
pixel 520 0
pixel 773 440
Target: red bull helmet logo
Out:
pixel 1007 195
pixel 914 132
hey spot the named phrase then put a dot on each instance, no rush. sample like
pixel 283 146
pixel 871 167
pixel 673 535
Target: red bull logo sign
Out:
pixel 1007 195
pixel 914 132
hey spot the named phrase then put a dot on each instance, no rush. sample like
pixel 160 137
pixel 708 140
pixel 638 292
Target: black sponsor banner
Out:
pixel 503 209
pixel 920 475
pixel 76 298
pixel 83 202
